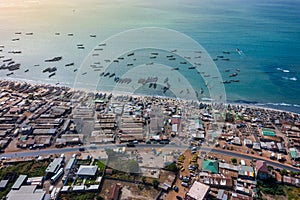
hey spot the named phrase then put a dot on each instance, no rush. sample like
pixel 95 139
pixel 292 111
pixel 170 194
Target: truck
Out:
pixel 130 144
pixel 57 176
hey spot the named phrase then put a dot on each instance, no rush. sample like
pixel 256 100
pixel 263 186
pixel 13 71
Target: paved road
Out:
pixel 141 146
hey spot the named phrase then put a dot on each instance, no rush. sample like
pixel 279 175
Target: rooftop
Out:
pixel 27 192
pixel 86 170
pixel 198 191
pixel 210 165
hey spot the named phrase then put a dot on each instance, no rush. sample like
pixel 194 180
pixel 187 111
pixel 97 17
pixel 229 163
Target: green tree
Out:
pixel 283 172
pixel 270 168
pixel 155 183
pixel 172 167
pixel 234 160
pixel 144 179
pixel 293 174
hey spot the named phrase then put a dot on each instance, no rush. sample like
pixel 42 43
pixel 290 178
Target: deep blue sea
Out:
pixel 267 33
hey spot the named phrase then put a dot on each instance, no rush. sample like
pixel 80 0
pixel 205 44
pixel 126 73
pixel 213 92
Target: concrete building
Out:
pixel 198 191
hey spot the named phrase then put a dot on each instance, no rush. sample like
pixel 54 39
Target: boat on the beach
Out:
pixel 30 33
pixel 106 74
pixel 18 33
pixel 10 63
pixel 57 33
pixel 154 53
pixel 152 57
pixel 175 68
pixel 15 52
pixel 80 47
pixel 69 64
pixel 53 74
pixel 13 67
pixel 27 70
pixel 101 74
pixel 75 70
pixel 193 67
pixel 70 34
pixel 15 39
pixel 58 58
pixel 101 45
pixel 50 69
pixel 93 36
pixel 84 73
pixel 7 60
pixel 113 74
pixel 131 54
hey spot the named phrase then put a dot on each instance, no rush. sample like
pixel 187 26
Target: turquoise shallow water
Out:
pixel 267 32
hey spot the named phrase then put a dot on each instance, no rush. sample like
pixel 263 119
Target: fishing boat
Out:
pixel 113 74
pixel 14 67
pixel 69 64
pixel 225 59
pixel 58 58
pixel 226 82
pixel 233 75
pixel 53 74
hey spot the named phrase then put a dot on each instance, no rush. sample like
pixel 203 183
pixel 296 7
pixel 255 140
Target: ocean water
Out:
pixel 266 31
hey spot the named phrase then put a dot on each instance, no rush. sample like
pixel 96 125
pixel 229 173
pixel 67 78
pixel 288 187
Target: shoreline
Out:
pixel 204 100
